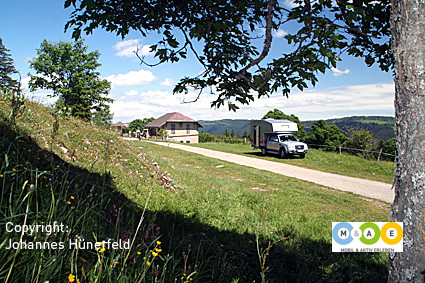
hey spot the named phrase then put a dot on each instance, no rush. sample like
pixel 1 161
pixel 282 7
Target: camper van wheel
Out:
pixel 282 153
pixel 263 151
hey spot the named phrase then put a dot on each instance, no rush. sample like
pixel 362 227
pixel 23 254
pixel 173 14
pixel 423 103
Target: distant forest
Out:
pixel 381 127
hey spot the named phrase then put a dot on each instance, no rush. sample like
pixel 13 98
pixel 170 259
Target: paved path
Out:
pixel 367 188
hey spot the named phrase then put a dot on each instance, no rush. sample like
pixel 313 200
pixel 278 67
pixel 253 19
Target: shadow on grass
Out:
pixel 223 255
pixel 97 207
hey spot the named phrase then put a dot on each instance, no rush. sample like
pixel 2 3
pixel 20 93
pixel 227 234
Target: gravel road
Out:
pixel 367 188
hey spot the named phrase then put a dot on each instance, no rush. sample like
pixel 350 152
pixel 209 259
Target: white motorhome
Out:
pixel 276 136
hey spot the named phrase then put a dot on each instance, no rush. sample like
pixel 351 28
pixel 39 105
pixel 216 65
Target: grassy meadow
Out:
pixel 187 217
pixel 332 162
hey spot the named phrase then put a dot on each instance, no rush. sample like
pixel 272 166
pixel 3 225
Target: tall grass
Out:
pixel 74 203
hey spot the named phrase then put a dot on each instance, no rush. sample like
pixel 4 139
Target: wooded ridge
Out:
pixel 381 127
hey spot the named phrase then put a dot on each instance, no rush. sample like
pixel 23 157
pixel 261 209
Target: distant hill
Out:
pixel 382 127
pixel 219 126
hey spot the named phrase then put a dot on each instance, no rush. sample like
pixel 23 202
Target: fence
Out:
pixel 378 154
pixel 231 141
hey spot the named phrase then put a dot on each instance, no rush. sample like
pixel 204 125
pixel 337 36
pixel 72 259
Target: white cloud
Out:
pixel 370 99
pixel 276 32
pixel 168 82
pixel 127 48
pixel 131 92
pixel 290 4
pixel 279 33
pixel 132 78
pixel 337 72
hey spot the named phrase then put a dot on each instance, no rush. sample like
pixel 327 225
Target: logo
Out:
pixel 367 237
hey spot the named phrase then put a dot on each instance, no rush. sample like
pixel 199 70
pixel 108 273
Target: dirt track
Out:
pixel 367 188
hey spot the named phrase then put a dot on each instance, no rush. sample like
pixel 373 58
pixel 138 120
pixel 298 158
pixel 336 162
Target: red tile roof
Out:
pixel 170 117
pixel 120 124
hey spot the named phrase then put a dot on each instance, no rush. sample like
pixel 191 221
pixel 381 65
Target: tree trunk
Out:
pixel 408 31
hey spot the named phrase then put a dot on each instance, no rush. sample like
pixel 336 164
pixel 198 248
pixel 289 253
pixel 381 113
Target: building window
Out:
pixel 187 128
pixel 181 125
pixel 173 129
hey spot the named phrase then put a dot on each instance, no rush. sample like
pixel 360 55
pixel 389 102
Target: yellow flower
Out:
pixel 148 263
pixel 72 197
pixel 158 243
pixel 71 277
pixel 68 202
pixel 154 254
pixel 102 250
pixel 139 253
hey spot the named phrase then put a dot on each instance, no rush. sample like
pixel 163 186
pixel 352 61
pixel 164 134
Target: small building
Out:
pixel 120 126
pixel 178 127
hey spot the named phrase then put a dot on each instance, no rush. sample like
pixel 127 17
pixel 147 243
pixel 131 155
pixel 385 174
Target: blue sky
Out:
pixel 140 91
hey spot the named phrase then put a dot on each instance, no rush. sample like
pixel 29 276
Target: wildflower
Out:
pixel 148 263
pixel 154 254
pixel 1 176
pixel 158 250
pixel 68 202
pixel 102 250
pixel 158 243
pixel 139 253
pixel 72 197
pixel 71 277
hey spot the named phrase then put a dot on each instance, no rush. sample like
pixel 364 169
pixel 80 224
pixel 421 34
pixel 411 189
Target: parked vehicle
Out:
pixel 276 136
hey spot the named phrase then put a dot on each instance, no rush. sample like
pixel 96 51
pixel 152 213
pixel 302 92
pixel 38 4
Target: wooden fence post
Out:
pixel 379 156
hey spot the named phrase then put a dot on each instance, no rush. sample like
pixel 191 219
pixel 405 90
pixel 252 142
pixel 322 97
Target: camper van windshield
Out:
pixel 284 138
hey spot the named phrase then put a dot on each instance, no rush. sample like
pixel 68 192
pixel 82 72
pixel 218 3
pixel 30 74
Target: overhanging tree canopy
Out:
pixel 235 59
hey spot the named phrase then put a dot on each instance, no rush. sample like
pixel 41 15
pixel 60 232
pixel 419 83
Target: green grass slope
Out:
pixel 332 162
pixel 205 220
pixel 82 179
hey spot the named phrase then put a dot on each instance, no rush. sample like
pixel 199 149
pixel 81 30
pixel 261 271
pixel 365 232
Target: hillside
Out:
pixel 79 181
pixel 177 217
pixel 380 126
pixel 218 127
